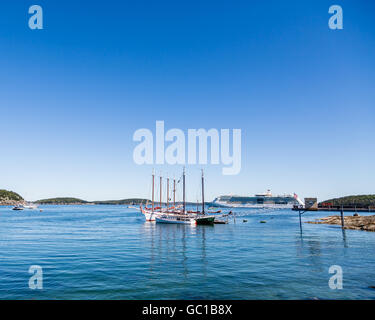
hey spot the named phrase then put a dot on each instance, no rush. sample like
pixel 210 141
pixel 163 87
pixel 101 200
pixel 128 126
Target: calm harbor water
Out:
pixel 110 252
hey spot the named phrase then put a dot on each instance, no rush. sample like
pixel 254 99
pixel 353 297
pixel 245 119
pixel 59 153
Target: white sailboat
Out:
pixel 176 214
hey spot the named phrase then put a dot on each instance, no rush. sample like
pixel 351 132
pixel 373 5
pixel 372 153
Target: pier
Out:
pixel 334 208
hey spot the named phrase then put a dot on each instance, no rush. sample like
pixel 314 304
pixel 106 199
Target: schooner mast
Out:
pixel 161 190
pixel 153 187
pixel 174 192
pixel 183 192
pixel 167 193
pixel 202 192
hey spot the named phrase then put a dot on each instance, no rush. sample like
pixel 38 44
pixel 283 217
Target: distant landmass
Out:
pixel 65 200
pixel 352 201
pixel 9 198
pixel 132 201
pixel 76 201
pixel 136 201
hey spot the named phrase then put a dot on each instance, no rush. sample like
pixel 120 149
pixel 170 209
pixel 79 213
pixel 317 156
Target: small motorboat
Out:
pixel 17 208
pixel 30 206
pixel 217 221
pixel 218 211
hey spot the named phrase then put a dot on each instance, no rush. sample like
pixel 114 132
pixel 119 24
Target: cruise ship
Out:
pixel 261 200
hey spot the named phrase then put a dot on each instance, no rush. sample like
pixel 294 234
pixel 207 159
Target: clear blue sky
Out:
pixel 72 95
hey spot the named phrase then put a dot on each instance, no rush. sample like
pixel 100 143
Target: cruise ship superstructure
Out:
pixel 261 200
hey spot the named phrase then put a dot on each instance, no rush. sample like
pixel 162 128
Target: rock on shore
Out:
pixel 11 203
pixel 366 223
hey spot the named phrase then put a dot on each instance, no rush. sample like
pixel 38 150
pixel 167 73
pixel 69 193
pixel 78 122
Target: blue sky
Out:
pixel 72 94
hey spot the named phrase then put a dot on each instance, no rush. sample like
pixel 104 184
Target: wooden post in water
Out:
pixel 342 217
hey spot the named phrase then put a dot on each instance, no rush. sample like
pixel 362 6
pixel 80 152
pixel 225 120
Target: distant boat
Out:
pixel 218 211
pixel 17 208
pixel 30 206
pixel 133 207
pixel 218 221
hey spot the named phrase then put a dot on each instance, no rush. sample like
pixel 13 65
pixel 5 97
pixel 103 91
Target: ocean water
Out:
pixel 110 252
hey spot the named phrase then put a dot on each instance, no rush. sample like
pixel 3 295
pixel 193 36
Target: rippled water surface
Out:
pixel 110 252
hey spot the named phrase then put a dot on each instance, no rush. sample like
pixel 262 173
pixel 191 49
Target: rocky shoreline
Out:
pixel 11 203
pixel 366 223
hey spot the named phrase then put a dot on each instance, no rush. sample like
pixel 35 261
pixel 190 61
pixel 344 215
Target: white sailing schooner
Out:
pixel 176 214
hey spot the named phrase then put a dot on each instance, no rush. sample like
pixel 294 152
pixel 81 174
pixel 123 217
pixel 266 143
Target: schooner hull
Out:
pixel 210 220
pixel 175 221
pixel 150 215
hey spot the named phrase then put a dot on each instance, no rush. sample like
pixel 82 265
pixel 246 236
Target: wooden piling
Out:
pixel 342 219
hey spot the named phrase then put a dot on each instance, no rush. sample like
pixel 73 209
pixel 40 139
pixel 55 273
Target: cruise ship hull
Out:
pixel 251 205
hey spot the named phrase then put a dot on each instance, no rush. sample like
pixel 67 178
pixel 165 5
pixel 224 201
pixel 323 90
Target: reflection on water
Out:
pixel 308 246
pixel 170 240
pixel 344 238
